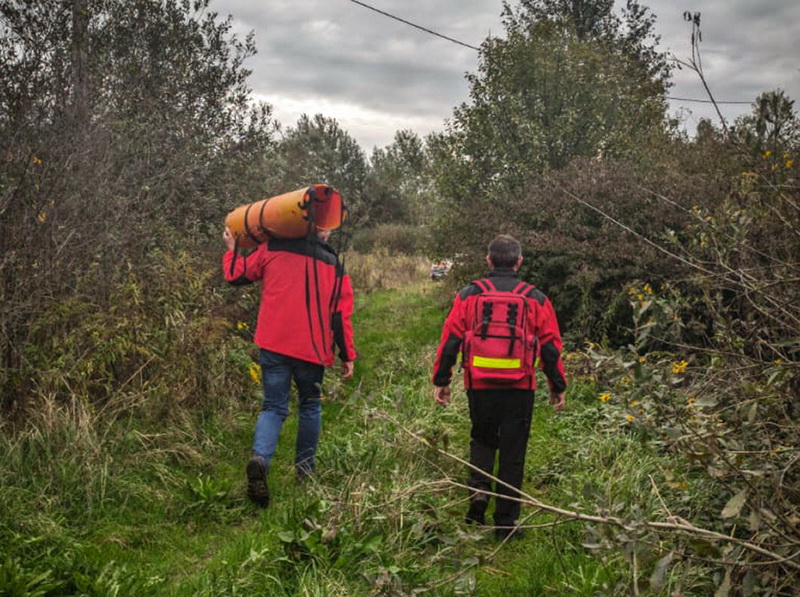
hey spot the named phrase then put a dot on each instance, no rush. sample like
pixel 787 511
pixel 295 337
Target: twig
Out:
pixel 658 494
pixel 675 524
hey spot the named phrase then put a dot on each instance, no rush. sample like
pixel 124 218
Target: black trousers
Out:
pixel 501 423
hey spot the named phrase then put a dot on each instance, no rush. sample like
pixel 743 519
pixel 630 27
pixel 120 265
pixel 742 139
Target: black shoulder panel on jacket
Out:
pixel 505 283
pixel 470 289
pixel 303 246
pixel 537 295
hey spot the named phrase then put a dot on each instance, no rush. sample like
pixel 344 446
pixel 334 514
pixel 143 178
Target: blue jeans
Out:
pixel 277 372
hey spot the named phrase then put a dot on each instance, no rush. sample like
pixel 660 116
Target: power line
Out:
pixel 704 101
pixel 471 47
pixel 420 27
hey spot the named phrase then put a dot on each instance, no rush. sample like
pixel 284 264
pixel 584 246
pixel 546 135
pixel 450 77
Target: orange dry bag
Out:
pixel 291 215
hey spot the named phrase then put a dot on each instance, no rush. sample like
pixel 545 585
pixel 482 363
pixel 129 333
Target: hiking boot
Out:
pixel 303 472
pixel 476 514
pixel 257 490
pixel 510 533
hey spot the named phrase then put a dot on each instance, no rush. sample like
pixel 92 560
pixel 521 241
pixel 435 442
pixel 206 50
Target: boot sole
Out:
pixel 257 490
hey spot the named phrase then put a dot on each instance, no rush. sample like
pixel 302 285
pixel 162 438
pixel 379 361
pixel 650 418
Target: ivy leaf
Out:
pixel 725 588
pixel 751 416
pixel 659 573
pixel 735 505
pixel 749 584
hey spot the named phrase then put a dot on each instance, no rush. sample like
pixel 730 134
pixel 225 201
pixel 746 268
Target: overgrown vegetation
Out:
pixel 127 367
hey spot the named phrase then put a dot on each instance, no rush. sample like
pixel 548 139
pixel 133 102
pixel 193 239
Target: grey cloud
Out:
pixel 340 51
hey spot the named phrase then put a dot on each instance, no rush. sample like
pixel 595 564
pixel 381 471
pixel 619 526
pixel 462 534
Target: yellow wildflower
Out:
pixel 635 403
pixel 679 367
pixel 255 372
pixel 767 153
pixel 36 160
pixel 789 163
pixel 691 401
pixel 605 397
pixel 629 418
pixel 648 289
pixel 242 325
pixel 644 358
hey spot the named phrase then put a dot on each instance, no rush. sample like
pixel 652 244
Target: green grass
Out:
pixel 96 506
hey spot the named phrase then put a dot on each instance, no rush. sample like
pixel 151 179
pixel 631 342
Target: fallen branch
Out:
pixel 674 523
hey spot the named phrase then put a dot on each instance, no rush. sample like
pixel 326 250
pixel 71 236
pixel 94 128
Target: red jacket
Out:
pixel 542 322
pixel 299 314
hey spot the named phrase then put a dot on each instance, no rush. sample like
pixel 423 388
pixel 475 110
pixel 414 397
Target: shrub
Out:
pixel 392 238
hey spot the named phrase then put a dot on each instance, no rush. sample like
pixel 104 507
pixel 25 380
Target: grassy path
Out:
pixel 163 512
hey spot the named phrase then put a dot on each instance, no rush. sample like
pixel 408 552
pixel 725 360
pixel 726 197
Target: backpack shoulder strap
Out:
pixel 534 293
pixel 522 288
pixel 485 285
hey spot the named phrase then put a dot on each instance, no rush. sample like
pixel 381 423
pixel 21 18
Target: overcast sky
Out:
pixel 375 75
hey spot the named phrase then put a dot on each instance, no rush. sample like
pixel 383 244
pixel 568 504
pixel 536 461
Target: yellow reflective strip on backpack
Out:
pixel 492 363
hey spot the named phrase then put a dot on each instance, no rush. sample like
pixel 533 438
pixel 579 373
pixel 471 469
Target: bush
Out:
pixel 393 238
pixel 158 336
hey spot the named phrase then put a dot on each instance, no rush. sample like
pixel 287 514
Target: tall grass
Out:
pixel 381 270
pixel 106 499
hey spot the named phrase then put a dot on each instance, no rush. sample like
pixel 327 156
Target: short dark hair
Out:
pixel 504 251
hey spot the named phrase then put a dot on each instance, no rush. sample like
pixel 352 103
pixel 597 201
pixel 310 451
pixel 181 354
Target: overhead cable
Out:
pixel 420 27
pixel 471 47
pixel 705 101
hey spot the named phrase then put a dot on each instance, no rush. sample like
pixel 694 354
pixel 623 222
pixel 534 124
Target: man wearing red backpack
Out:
pixel 504 329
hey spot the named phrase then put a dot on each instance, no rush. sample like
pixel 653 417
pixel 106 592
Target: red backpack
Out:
pixel 499 349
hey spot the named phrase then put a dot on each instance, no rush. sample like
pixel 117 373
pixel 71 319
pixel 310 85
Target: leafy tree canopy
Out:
pixel 318 150
pixel 397 180
pixel 569 80
pixel 772 126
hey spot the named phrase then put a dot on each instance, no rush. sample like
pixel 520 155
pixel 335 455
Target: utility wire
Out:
pixel 705 101
pixel 466 45
pixel 420 27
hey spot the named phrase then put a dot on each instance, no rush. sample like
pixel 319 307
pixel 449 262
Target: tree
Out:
pixel 124 123
pixel 397 181
pixel 568 81
pixel 561 85
pixel 773 125
pixel 318 150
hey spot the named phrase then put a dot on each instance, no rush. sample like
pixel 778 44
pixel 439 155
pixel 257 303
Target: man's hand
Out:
pixel 557 399
pixel 347 369
pixel 442 395
pixel 230 242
